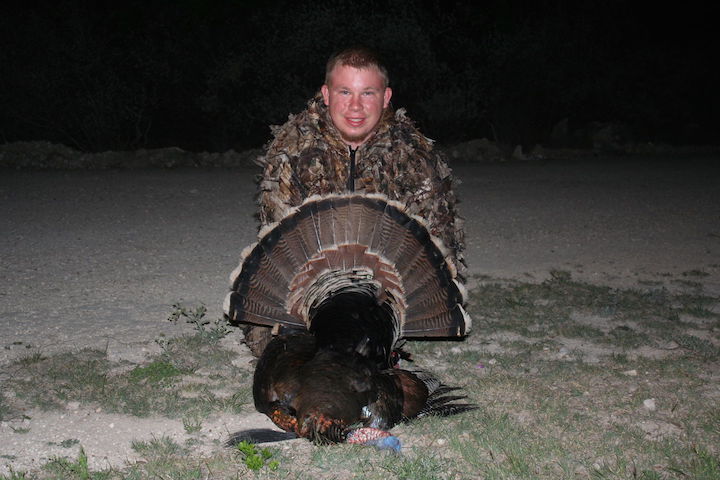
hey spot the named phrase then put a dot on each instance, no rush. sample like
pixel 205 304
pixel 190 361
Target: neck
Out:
pixel 355 145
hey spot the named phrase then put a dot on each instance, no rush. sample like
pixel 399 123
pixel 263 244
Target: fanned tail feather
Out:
pixel 362 238
pixel 438 402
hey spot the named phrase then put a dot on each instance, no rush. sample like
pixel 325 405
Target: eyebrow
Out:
pixel 342 87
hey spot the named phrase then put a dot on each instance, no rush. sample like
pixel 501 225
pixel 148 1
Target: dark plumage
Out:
pixel 323 393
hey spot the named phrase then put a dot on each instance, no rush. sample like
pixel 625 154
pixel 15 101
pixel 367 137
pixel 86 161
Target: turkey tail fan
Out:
pixel 364 245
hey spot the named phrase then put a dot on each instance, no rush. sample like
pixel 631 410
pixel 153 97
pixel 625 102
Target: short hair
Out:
pixel 357 57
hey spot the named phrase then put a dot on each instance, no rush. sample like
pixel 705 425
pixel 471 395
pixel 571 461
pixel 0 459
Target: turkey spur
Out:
pixel 342 280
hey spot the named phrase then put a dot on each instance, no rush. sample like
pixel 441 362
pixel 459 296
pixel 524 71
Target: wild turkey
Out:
pixel 342 280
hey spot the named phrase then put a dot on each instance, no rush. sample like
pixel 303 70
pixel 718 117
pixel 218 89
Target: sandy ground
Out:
pixel 98 258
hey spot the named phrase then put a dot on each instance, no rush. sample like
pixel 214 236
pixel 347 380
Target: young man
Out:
pixel 350 139
pixel 356 94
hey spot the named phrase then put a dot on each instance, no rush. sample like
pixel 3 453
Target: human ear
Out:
pixel 325 90
pixel 386 98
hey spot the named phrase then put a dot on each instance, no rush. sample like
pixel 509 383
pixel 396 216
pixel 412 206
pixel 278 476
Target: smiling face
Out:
pixel 356 99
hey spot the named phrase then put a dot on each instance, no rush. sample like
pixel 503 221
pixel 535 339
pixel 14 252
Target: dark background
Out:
pixel 212 76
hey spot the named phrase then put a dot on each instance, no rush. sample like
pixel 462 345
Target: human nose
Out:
pixel 355 103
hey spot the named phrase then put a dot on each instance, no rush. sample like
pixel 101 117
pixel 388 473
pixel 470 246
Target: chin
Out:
pixel 355 138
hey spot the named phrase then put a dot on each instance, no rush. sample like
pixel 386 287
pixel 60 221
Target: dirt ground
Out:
pixel 97 258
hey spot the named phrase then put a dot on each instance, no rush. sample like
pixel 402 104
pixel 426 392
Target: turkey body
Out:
pixel 343 279
pixel 322 393
pixel 320 383
pixel 314 392
pixel 342 376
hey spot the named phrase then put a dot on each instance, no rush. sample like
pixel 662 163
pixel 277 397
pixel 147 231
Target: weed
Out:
pixel 5 409
pixel 156 372
pixel 153 388
pixel 254 458
pixel 157 447
pixel 545 310
pixel 688 284
pixel 13 475
pixel 193 352
pixel 51 382
pixel 423 467
pixel 192 424
pixel 210 331
pixel 31 359
pixel 62 468
pixel 698 346
pixel 240 399
pixel 70 442
pixel 626 337
pixel 695 273
pixel 697 305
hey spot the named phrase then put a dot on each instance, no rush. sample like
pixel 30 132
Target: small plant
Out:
pixel 156 372
pixel 210 331
pixel 77 469
pixel 192 424
pixel 157 447
pixel 31 359
pixel 698 346
pixel 70 442
pixel 5 410
pixel 256 459
pixel 13 475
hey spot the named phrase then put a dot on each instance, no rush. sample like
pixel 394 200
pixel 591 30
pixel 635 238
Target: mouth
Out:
pixel 354 122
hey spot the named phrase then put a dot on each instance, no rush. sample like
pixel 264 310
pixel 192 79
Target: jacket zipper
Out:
pixel 351 174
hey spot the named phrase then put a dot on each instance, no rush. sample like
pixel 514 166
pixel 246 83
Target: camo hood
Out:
pixel 308 157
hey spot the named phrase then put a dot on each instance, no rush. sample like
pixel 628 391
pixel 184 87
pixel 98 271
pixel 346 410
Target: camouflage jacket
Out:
pixel 308 157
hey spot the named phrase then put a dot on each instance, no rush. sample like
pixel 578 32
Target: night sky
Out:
pixel 212 76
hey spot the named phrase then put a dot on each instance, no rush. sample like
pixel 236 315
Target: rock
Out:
pixel 36 155
pixel 630 373
pixel 518 153
pixel 478 150
pixel 560 133
pixel 609 138
pixel 46 155
pixel 537 153
pixel 564 354
pixel 649 404
pixel 658 430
